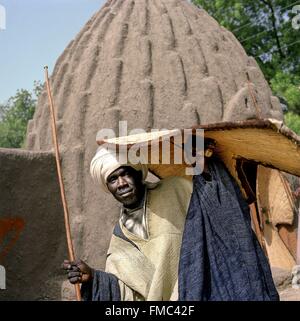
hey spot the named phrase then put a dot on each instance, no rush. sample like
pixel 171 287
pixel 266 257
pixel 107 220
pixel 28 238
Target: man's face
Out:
pixel 125 183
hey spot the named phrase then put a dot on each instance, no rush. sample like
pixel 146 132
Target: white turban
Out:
pixel 107 161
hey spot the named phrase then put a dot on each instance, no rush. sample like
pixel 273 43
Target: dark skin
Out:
pixel 127 187
pixel 78 271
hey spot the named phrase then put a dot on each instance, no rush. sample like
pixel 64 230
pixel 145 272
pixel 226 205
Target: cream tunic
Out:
pixel 151 271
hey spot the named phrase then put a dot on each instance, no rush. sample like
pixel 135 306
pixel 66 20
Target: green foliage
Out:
pixel 264 28
pixel 293 122
pixel 287 85
pixel 14 116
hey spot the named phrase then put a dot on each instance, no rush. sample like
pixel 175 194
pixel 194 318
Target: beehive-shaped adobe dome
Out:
pixel 155 63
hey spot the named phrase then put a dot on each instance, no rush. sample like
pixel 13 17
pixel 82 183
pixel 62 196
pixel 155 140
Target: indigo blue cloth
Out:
pixel 103 287
pixel 221 258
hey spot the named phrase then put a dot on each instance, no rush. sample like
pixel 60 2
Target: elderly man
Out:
pixel 143 256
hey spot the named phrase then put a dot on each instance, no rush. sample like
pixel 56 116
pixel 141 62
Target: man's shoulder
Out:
pixel 171 197
pixel 176 179
pixel 174 183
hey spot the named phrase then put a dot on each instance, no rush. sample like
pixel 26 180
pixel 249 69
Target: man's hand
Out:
pixel 78 271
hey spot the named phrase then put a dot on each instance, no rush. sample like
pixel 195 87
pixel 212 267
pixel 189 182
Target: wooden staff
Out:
pixel 61 184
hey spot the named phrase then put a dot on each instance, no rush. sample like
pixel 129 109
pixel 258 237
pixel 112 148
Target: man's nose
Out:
pixel 121 181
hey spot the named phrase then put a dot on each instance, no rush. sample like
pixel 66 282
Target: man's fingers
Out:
pixel 70 265
pixel 75 280
pixel 74 274
pixel 75 268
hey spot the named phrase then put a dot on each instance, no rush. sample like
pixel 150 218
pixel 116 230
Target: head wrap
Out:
pixel 107 161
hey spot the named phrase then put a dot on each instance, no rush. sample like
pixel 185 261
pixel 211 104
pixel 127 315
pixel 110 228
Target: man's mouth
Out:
pixel 125 193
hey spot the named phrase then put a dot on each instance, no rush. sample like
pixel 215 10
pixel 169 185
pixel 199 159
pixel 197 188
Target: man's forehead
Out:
pixel 121 170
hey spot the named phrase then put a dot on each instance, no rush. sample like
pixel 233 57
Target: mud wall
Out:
pixel 32 238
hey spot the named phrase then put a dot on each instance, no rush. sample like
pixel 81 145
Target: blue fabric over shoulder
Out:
pixel 103 287
pixel 221 258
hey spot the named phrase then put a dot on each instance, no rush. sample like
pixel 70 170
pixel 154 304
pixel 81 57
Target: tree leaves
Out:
pixel 264 28
pixel 14 116
pixel 293 121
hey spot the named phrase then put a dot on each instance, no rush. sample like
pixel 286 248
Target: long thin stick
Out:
pixel 62 189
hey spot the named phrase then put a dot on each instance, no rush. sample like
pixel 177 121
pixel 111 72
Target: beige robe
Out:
pixel 151 271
